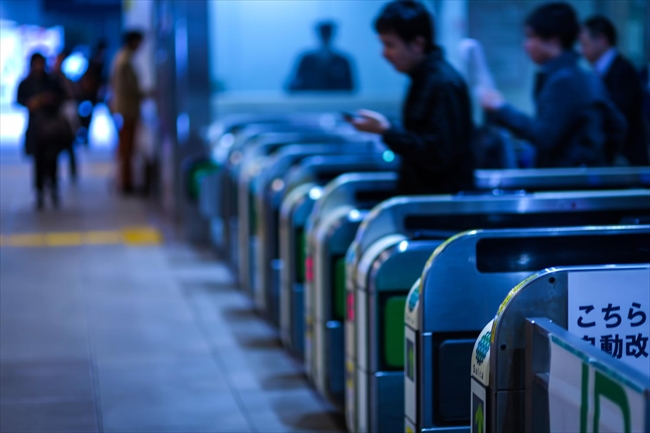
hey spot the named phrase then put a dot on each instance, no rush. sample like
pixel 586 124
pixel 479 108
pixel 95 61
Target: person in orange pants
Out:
pixel 126 100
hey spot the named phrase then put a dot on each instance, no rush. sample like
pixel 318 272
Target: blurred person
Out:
pixel 645 79
pixel 323 69
pixel 90 86
pixel 47 131
pixel 434 140
pixel 598 41
pixel 68 107
pixel 97 66
pixel 476 72
pixel 575 121
pixel 126 99
pixel 493 147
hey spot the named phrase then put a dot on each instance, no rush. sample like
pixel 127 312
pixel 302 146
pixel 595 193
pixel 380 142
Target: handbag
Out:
pixel 53 132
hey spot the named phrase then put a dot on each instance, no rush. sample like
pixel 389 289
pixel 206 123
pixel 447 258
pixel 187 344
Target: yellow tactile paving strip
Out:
pixel 132 236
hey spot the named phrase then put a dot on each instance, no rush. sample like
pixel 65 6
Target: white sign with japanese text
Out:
pixel 611 310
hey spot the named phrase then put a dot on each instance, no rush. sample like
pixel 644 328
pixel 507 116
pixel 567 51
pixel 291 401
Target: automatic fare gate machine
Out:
pixel 465 280
pixel 350 191
pixel 331 235
pixel 249 156
pixel 271 176
pixel 564 179
pixel 264 137
pixel 304 185
pixel 315 170
pixel 383 263
pixel 228 137
pixel 533 386
pixel 331 230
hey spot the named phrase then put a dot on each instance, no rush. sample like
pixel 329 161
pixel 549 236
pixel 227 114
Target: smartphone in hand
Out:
pixel 348 116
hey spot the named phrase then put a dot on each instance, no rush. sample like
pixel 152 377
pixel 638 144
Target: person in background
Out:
pixel 69 107
pixel 645 80
pixel 126 99
pixel 47 133
pixel 598 41
pixel 97 68
pixel 90 88
pixel 434 140
pixel 575 120
pixel 323 69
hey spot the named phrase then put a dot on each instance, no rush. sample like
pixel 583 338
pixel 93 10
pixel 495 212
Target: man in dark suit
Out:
pixel 575 121
pixel 598 41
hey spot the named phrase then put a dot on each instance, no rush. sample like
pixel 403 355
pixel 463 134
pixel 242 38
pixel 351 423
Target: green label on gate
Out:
pixel 339 288
pixel 394 331
pixel 301 254
pixel 586 396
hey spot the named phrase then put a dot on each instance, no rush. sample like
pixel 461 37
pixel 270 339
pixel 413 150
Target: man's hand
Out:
pixel 370 121
pixel 492 100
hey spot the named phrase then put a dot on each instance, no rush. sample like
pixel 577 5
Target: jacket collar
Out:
pixel 436 55
pixel 566 59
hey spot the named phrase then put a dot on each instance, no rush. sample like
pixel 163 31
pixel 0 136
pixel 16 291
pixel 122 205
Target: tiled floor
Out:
pixel 121 338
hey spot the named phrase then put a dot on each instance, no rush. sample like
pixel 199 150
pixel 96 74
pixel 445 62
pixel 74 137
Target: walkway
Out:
pixel 105 328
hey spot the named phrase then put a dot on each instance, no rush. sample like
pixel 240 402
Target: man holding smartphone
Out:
pixel 434 141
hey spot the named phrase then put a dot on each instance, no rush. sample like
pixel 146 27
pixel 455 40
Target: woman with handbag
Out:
pixel 47 130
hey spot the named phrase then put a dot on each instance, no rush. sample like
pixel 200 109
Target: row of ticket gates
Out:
pixel 486 311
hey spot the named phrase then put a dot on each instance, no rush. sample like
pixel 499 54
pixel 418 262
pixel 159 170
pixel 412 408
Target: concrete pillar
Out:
pixel 183 77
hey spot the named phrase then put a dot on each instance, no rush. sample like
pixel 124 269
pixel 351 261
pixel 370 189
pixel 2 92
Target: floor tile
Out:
pixel 291 410
pixel 40 381
pixel 62 417
pixel 144 339
pixel 27 339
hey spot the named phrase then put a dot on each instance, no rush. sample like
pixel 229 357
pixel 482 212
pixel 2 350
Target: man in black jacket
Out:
pixel 434 141
pixel 575 121
pixel 598 41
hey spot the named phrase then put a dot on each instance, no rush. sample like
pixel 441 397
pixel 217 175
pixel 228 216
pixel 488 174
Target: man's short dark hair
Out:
pixel 35 57
pixel 555 20
pixel 409 19
pixel 133 36
pixel 600 25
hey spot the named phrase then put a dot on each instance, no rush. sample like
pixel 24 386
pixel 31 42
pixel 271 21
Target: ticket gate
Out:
pixel 482 266
pixel 270 176
pixel 557 362
pixel 257 140
pixel 227 133
pixel 331 229
pixel 209 198
pixel 249 156
pixel 564 179
pixel 233 124
pixel 348 190
pixel 360 191
pixel 570 298
pixel 392 226
pixel 316 171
